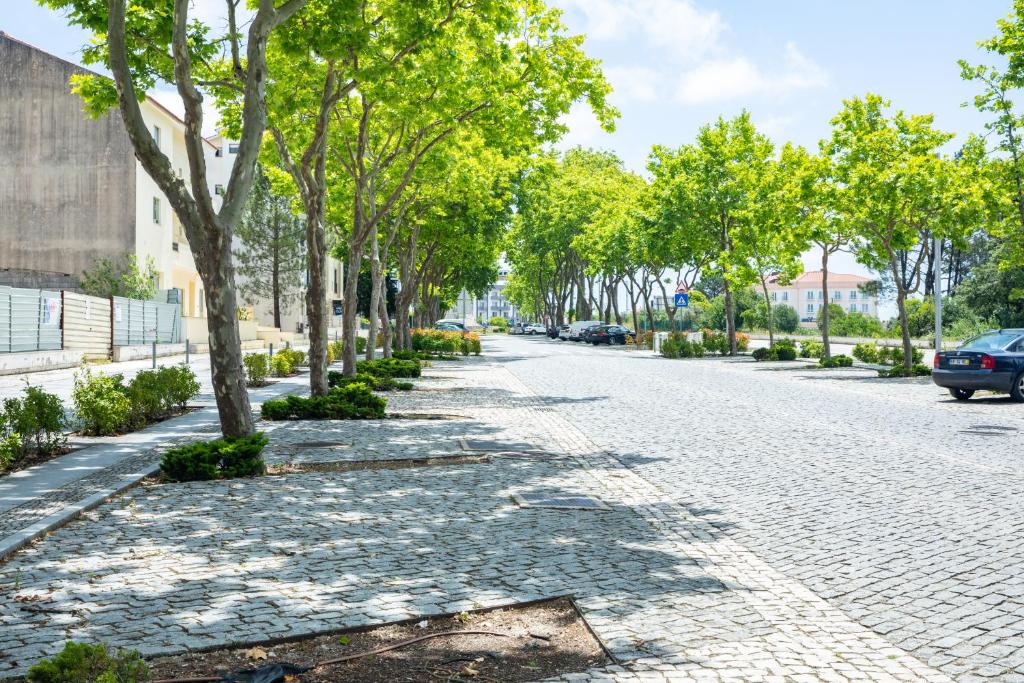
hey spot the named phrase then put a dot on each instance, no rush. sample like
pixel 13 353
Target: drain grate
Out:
pixel 488 446
pixel 322 444
pixel 544 500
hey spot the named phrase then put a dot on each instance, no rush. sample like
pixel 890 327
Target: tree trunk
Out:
pixel 276 286
pixel 730 319
pixel 350 316
pixel 901 304
pixel 226 353
pixel 375 286
pixel 826 315
pixel 316 298
pixel 385 326
pixel 768 311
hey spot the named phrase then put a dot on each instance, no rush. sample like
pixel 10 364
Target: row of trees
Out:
pixel 396 129
pixel 734 209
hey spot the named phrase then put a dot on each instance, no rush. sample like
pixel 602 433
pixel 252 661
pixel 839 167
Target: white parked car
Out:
pixel 534 328
pixel 576 329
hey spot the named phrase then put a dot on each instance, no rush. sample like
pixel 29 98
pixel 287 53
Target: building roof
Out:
pixel 812 278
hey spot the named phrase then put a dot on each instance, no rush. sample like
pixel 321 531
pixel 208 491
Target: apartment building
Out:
pixel 805 294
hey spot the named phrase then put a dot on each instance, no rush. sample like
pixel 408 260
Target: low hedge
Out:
pixel 106 405
pixel 220 459
pixel 916 370
pixel 336 379
pixel 839 361
pixel 784 349
pixel 389 367
pixel 350 402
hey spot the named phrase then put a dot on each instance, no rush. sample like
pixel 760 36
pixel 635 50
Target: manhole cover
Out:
pixel 993 428
pixel 543 500
pixel 488 446
pixel 322 444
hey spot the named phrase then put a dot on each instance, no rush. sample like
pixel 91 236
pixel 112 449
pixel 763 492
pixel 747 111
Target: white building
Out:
pixel 805 294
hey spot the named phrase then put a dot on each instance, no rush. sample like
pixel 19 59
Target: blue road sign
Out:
pixel 682 300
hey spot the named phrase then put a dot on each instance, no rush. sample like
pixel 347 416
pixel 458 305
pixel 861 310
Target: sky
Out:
pixel 676 65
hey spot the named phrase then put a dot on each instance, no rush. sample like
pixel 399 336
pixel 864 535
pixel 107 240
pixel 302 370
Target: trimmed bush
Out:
pixel 257 367
pixel 840 361
pixel 765 353
pixel 281 364
pixel 812 349
pixel 716 342
pixel 336 379
pixel 220 459
pixel 742 341
pixel 179 384
pixel 786 353
pixel 437 341
pixel 101 402
pixel 866 352
pixel 350 402
pixel 389 367
pixel 334 350
pixel 917 370
pixel 85 663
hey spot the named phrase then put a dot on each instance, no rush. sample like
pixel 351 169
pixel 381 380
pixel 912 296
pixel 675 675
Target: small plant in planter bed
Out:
pixel 86 663
pixel 257 367
pixel 389 367
pixel 336 379
pixel 106 405
pixel 916 370
pixel 351 402
pixel 840 361
pixel 33 424
pixel 281 364
pixel 220 459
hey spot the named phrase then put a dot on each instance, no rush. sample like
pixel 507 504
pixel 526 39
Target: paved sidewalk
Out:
pixel 36 499
pixel 172 567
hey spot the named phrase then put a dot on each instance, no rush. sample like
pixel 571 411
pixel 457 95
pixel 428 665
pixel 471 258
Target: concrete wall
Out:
pixel 67 182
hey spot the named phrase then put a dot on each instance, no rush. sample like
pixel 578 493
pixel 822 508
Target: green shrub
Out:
pixel 297 358
pixel 257 367
pixel 785 318
pixel 85 663
pixel 220 459
pixel 765 353
pixel 785 352
pixel 146 399
pixel 840 361
pixel 360 344
pixel 334 350
pixel 180 385
pixel 866 352
pixel 350 402
pixel 436 341
pixel 281 364
pixel 812 349
pixel 336 379
pixel 389 367
pixel 916 370
pixel 35 421
pixel 716 342
pixel 101 402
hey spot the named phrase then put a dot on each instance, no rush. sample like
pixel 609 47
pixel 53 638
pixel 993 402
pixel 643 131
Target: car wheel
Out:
pixel 1017 390
pixel 961 394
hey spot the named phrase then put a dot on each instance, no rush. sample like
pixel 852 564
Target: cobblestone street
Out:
pixel 762 524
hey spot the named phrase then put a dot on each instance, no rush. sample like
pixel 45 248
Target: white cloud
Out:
pixel 584 128
pixel 676 28
pixel 633 83
pixel 725 79
pixel 774 126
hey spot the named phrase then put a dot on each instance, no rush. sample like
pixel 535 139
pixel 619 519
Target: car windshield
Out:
pixel 990 341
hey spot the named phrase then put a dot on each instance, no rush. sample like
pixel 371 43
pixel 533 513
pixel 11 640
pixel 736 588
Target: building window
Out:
pixel 156 210
pixel 233 148
pixel 219 152
pixel 774 295
pixel 156 135
pixel 335 273
pixel 785 296
pixel 810 308
pixel 837 295
pixel 218 189
pixel 853 295
pixel 853 308
pixel 864 307
pixel 810 296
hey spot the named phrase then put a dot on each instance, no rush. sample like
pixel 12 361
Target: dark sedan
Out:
pixel 608 334
pixel 993 361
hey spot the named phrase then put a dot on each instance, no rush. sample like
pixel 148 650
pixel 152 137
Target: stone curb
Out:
pixel 17 541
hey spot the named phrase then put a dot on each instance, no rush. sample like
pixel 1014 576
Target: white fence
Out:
pixel 29 320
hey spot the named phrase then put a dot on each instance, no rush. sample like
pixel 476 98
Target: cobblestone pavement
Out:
pixel 879 496
pixel 170 567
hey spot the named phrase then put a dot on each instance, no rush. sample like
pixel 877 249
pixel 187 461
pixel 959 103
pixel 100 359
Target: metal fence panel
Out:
pixel 31 320
pixel 143 322
pixel 86 324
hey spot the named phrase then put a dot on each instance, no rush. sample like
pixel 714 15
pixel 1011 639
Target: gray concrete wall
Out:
pixel 67 182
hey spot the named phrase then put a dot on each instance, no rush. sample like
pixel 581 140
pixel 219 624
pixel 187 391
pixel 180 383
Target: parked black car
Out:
pixel 608 334
pixel 587 331
pixel 993 361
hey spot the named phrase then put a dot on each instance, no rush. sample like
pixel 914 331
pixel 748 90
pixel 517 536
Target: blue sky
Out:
pixel 678 64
